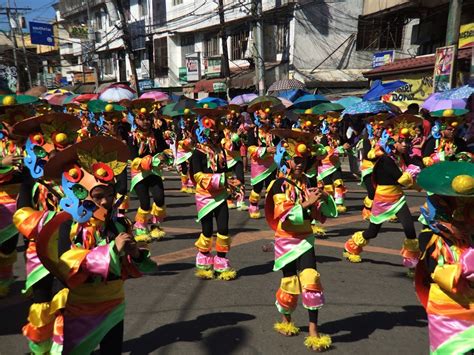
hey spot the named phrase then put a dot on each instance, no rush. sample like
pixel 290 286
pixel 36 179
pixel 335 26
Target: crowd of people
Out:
pixel 66 174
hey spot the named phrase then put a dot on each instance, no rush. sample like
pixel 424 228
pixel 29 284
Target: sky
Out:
pixel 41 11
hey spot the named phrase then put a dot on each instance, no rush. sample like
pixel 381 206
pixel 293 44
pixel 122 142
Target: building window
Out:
pixel 98 20
pixel 187 46
pixel 142 8
pixel 161 56
pixel 378 34
pixel 239 43
pixel 107 66
pixel 281 35
pixel 211 46
pixel 177 2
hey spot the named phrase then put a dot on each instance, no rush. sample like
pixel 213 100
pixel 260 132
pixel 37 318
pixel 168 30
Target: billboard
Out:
pixel 42 33
pixel 381 58
pixel 443 68
pixel 466 35
pixel 212 67
pixel 193 70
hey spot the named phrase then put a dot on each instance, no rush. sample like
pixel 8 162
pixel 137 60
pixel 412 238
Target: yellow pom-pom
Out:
pixel 143 110
pixel 404 131
pixel 101 172
pixel 308 111
pixel 73 173
pixel 109 108
pixel 267 110
pixel 448 113
pixel 285 145
pixel 463 184
pixel 9 100
pixel 205 106
pixel 187 111
pixel 318 343
pixel 301 148
pixel 454 124
pixel 307 123
pixel 227 275
pixel 232 111
pixel 286 328
pixel 61 138
pixel 37 138
pixel 204 274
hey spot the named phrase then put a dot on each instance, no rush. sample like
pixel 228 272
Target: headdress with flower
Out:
pixel 83 166
pixel 398 128
pixel 15 108
pixel 209 119
pixel 53 131
pixel 294 143
pixel 449 118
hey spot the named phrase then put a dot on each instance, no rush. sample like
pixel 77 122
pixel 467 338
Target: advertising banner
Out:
pixel 381 58
pixel 443 68
pixel 419 86
pixel 192 67
pixel 42 33
pixel 466 35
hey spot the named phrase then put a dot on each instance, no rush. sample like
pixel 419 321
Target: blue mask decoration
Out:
pixel 436 130
pixel 65 109
pixel 385 142
pixel 70 203
pixel 324 127
pixel 100 121
pixel 201 132
pixel 370 130
pixel 131 120
pixel 257 120
pixel 429 214
pixel 3 132
pixel 34 159
pixel 279 158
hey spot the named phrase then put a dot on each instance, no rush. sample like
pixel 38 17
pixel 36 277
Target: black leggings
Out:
pixel 9 246
pixel 259 187
pixel 43 289
pixel 369 186
pixel 405 218
pixel 121 184
pixel 222 218
pixel 238 170
pixel 305 261
pixel 153 184
pixel 329 180
pixel 184 168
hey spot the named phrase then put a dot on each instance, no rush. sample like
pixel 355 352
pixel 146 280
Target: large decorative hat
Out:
pixel 209 109
pixel 333 117
pixel 308 119
pixel 83 166
pixel 450 117
pixel 14 108
pixel 53 131
pixel 402 126
pixel 142 106
pixel 448 178
pixel 110 111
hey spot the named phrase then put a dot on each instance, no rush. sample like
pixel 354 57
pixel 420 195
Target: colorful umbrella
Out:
pixel 348 101
pixel 60 100
pixel 367 107
pixel 36 91
pixel 287 84
pixel 155 95
pixel 290 95
pixel 263 101
pixel 244 99
pixel 184 103
pixel 83 98
pixel 378 89
pixel 285 102
pixel 214 100
pixel 117 92
pixel 308 101
pixel 436 102
pixel 460 93
pixel 321 109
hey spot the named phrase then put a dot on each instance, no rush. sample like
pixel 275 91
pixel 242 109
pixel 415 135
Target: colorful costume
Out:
pixel 262 166
pixel 391 172
pixel 44 134
pixel 13 109
pixel 208 166
pixel 82 253
pixel 287 214
pixel 147 148
pixel 445 273
pixel 329 172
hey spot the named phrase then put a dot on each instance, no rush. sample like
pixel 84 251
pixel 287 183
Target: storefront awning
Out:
pixel 410 65
pixel 208 85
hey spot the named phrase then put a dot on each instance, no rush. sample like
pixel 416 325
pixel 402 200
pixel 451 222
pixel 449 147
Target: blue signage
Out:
pixel 382 58
pixel 41 33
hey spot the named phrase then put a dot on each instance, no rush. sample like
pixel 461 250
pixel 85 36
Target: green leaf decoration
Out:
pixel 117 166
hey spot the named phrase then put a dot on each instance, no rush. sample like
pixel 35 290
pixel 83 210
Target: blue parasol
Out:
pixel 378 89
pixel 367 107
pixel 308 101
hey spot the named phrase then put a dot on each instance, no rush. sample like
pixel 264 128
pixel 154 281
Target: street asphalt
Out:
pixel 371 307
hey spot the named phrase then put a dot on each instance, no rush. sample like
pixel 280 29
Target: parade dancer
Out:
pixel 444 144
pixel 45 135
pixel 13 108
pixel 330 172
pixel 231 144
pixel 86 246
pixel 392 171
pixel 370 152
pixel 208 166
pixel 261 150
pixel 290 206
pixel 445 274
pixel 183 148
pixel 147 147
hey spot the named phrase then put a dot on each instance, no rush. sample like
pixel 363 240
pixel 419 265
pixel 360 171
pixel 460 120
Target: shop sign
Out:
pixel 193 67
pixel 146 84
pixel 443 68
pixel 219 87
pixel 382 58
pixel 183 76
pixel 212 67
pixel 466 35
pixel 418 88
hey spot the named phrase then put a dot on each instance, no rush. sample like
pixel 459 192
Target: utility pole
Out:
pixel 13 38
pixel 452 33
pixel 27 63
pixel 127 43
pixel 225 51
pixel 91 46
pixel 258 46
